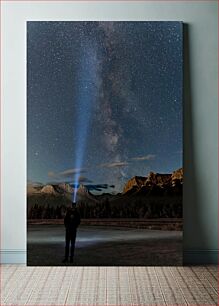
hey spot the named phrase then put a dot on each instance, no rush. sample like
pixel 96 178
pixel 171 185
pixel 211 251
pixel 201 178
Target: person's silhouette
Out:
pixel 72 220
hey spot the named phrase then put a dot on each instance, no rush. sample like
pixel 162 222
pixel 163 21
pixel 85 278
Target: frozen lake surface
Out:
pixel 105 246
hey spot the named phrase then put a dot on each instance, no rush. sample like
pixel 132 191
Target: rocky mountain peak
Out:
pixel 159 180
pixel 66 187
pixel 177 177
pixel 134 182
pixel 82 189
pixel 48 189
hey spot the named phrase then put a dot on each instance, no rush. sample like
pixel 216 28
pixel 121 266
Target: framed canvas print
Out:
pixel 104 143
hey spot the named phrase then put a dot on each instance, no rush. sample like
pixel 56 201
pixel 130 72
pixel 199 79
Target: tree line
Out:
pixel 137 209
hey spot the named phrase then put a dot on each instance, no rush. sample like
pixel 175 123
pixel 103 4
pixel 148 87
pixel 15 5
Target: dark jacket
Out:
pixel 72 219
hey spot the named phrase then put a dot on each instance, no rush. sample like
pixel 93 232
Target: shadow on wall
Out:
pixel 192 224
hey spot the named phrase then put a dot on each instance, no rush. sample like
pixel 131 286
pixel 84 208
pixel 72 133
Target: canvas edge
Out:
pixel 190 257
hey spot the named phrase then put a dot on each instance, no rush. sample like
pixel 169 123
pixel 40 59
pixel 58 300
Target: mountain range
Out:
pixel 154 180
pixel 137 188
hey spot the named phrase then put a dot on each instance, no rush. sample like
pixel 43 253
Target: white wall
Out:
pixel 200 110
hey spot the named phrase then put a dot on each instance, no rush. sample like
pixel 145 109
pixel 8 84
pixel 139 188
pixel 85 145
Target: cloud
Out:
pixel 114 165
pixel 120 164
pixel 52 183
pixel 146 157
pixel 98 187
pixel 83 180
pixel 80 180
pixel 67 173
pixel 51 174
pixel 34 183
pixel 71 172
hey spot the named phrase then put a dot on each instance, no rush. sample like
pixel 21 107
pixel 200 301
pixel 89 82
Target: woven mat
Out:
pixel 113 286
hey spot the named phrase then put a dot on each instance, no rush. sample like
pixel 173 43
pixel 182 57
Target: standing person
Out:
pixel 72 220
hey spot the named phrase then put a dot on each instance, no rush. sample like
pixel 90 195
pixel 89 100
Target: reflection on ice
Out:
pixel 94 235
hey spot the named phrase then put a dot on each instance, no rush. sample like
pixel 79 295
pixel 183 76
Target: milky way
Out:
pixel 122 79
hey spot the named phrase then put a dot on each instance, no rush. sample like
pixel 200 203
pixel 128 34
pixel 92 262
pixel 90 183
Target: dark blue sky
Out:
pixel 104 101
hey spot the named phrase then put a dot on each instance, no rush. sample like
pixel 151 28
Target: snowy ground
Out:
pixel 105 246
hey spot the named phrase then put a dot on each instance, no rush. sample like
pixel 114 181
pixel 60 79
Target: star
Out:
pixel 102 93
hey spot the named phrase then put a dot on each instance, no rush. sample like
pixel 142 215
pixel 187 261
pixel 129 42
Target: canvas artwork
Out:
pixel 104 143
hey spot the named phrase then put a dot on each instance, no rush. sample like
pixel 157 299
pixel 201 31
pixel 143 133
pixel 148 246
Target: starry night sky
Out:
pixel 104 101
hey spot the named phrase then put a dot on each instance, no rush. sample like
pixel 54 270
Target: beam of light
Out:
pixel 87 87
